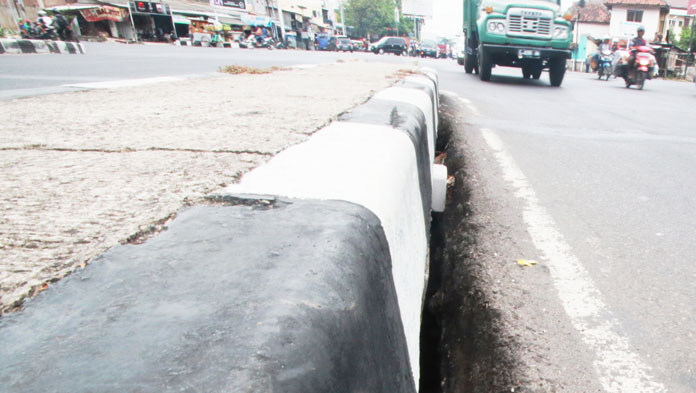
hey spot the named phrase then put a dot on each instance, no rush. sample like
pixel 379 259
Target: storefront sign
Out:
pixel 252 20
pixel 229 3
pixel 148 7
pixel 105 12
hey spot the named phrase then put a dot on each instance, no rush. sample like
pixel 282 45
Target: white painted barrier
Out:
pixel 375 166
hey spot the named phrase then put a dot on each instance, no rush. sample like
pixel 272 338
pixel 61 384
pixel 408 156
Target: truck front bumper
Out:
pixel 513 51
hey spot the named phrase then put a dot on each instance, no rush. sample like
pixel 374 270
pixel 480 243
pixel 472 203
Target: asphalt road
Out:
pixel 29 75
pixel 593 180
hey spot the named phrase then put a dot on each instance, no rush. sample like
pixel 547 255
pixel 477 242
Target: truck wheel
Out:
pixel 484 64
pixel 469 63
pixel 526 73
pixel 557 71
pixel 536 73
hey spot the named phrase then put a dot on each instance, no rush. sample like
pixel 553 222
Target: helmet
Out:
pixel 641 28
pixel 606 38
pixel 42 13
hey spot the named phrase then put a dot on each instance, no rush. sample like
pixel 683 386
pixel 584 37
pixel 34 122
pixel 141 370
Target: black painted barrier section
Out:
pixel 427 89
pixel 26 46
pixel 278 296
pixel 410 119
pixel 29 46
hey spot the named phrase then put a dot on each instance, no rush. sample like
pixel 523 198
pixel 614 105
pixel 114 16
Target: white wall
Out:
pixel 596 30
pixel 619 27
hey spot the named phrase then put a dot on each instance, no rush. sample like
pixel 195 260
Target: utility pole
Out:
pixel 343 20
pixel 396 20
pixel 581 4
pixel 282 23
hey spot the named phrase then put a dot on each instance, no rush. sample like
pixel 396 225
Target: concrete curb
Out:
pixel 309 275
pixel 12 46
pixel 379 155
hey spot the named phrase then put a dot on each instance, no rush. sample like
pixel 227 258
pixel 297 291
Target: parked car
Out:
pixel 396 45
pixel 344 44
pixel 325 42
pixel 427 48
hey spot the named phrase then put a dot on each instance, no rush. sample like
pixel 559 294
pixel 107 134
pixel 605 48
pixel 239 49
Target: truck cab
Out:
pixel 527 34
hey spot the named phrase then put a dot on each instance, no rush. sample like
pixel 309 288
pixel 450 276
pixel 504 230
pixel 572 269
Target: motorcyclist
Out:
pixel 605 45
pixel 24 27
pixel 44 19
pixel 638 40
pixel 61 24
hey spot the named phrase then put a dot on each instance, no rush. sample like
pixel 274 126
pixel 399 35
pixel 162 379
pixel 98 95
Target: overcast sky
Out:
pixel 447 17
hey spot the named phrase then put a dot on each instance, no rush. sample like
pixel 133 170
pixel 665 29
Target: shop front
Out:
pixel 153 21
pixel 106 21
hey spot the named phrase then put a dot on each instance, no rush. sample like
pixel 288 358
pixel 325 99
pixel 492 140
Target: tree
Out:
pixel 685 37
pixel 370 17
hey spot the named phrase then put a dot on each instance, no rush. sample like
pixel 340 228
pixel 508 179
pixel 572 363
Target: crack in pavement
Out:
pixel 129 150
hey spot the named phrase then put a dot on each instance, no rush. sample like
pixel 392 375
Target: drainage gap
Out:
pixel 461 345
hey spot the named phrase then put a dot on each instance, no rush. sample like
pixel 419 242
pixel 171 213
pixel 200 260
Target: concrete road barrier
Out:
pixel 307 276
pixel 13 46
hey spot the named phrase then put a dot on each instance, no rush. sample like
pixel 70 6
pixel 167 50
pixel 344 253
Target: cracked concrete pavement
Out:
pixel 85 171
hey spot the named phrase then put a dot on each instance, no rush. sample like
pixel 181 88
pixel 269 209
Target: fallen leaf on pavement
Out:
pixel 525 262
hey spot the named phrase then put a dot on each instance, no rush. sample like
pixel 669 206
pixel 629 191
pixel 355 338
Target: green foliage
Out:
pixel 685 37
pixel 374 16
pixel 4 32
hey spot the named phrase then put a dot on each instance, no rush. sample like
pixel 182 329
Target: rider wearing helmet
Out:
pixel 44 19
pixel 639 40
pixel 604 45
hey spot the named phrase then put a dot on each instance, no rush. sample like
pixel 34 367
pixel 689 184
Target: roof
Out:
pixel 678 3
pixel 645 3
pixel 592 13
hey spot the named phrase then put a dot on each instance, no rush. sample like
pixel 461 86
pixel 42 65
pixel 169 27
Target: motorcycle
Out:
pixel 639 67
pixel 266 42
pixel 37 31
pixel 605 65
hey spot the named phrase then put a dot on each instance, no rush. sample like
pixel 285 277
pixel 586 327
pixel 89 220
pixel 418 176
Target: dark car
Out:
pixel 344 44
pixel 396 45
pixel 325 42
pixel 427 48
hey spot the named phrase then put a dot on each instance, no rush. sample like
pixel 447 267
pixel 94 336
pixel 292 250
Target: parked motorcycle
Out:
pixel 639 66
pixel 605 64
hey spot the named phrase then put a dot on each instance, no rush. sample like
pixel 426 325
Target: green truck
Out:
pixel 528 34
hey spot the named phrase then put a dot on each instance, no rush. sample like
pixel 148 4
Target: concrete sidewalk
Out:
pixel 83 172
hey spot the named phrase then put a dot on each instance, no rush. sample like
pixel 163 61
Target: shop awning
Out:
pixel 230 20
pixel 72 7
pixel 105 12
pixel 253 20
pixel 181 20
